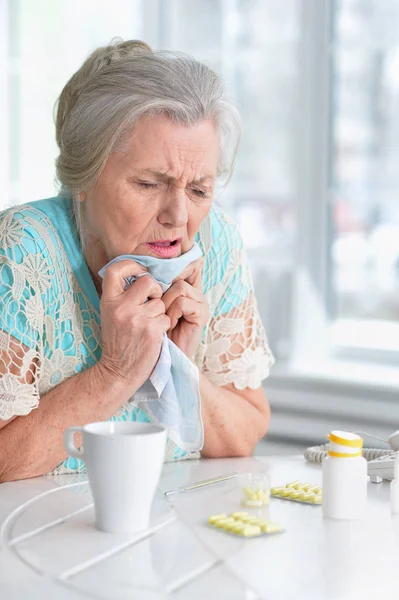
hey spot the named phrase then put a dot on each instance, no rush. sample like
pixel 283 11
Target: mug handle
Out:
pixel 69 444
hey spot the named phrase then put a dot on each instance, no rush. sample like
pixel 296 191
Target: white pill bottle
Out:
pixel 344 477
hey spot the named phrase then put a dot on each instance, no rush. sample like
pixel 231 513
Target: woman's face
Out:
pixel 152 197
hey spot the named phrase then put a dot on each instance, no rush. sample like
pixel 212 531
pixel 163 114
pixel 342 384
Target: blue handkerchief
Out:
pixel 171 395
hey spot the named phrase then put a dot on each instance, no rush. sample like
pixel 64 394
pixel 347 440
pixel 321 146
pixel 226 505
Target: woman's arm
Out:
pixel 234 420
pixel 32 445
pixel 132 333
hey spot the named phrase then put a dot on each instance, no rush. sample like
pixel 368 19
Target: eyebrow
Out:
pixel 164 176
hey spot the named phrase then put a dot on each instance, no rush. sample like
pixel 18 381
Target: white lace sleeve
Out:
pixel 235 348
pixel 21 320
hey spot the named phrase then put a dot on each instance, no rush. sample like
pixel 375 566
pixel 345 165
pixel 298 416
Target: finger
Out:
pixel 192 270
pixel 195 278
pixel 191 310
pixel 113 280
pixel 142 289
pixel 152 308
pixel 163 322
pixel 193 273
pixel 181 288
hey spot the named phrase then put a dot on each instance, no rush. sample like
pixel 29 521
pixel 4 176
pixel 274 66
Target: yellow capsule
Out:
pixel 316 489
pixel 271 527
pixel 219 523
pixel 300 495
pixel 287 492
pixel 238 515
pixel 317 499
pixel 253 503
pixel 307 496
pixel 230 526
pixel 294 484
pixel 222 522
pixel 253 520
pixel 296 495
pixel 261 522
pixel 276 491
pixel 306 487
pixel 251 530
pixel 213 518
pixel 238 528
pixel 250 493
pixel 245 518
pixel 263 497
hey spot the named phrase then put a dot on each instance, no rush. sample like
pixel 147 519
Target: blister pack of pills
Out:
pixel 243 524
pixel 297 491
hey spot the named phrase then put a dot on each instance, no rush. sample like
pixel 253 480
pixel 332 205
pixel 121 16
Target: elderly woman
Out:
pixel 143 139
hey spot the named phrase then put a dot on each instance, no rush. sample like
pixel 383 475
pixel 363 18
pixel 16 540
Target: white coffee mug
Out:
pixel 124 462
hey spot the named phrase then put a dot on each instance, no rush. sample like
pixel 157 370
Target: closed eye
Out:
pixel 146 185
pixel 150 186
pixel 198 192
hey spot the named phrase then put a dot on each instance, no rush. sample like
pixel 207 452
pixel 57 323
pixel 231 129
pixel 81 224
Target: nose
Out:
pixel 174 209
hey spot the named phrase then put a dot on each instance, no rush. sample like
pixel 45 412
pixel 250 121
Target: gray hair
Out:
pixel 118 85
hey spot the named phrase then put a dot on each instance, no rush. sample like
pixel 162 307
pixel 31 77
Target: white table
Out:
pixel 51 550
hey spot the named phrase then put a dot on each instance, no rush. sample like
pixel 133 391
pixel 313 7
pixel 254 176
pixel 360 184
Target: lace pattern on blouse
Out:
pixel 234 348
pixel 44 315
pixel 49 330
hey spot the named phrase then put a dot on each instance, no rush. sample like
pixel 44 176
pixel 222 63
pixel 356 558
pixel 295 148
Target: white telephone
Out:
pixel 382 468
pixel 380 462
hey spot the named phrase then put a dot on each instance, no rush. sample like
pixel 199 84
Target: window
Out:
pixel 316 180
pixel 364 181
pixel 47 42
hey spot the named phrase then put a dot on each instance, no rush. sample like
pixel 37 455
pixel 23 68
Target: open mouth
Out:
pixel 166 248
pixel 164 244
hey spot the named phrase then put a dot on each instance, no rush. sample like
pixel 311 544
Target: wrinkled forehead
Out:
pixel 160 147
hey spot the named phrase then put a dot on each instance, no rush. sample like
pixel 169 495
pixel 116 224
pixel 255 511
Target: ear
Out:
pixel 82 196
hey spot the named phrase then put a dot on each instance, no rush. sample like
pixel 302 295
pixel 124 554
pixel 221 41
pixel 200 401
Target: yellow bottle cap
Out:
pixel 344 438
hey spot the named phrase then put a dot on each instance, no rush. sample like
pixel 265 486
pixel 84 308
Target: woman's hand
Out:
pixel 132 329
pixel 187 308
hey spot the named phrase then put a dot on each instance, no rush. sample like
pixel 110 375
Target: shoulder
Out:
pixel 226 280
pixel 225 233
pixel 222 246
pixel 29 244
pixel 29 228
